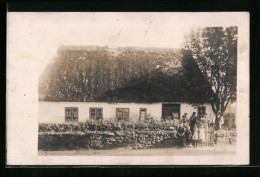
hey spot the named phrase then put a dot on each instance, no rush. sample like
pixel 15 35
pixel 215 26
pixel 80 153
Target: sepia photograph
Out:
pixel 128 88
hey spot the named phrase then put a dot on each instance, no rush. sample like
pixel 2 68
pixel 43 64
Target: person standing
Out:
pixel 205 121
pixel 195 136
pixel 181 136
pixel 193 121
pixel 188 136
pixel 211 133
pixel 219 121
pixel 184 118
pixel 201 134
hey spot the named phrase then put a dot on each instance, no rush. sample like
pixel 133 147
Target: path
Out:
pixel 171 151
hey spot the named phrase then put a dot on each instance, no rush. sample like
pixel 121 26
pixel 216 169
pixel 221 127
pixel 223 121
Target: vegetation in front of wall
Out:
pixel 106 135
pixel 102 140
pixel 108 126
pixel 112 134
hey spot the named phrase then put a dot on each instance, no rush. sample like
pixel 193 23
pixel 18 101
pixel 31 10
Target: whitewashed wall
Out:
pixel 189 109
pixel 54 112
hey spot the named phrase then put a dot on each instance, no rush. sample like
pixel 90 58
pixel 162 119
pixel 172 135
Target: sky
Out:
pixel 37 36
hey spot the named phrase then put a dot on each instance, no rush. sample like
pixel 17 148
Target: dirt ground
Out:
pixel 128 151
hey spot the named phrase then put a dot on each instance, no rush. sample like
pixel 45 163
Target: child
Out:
pixel 181 136
pixel 201 134
pixel 195 136
pixel 188 136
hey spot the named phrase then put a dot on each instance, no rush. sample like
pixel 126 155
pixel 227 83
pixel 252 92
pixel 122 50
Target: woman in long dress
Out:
pixel 201 134
pixel 195 136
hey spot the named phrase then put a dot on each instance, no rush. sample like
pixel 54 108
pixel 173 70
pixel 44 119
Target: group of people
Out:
pixel 194 131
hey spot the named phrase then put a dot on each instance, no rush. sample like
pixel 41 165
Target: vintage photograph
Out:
pixel 160 100
pixel 136 84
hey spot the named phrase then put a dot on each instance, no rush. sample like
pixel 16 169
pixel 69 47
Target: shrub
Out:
pixel 104 135
pixel 106 126
pixel 108 134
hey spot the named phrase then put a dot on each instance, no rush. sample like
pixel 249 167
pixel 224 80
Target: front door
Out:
pixel 170 111
pixel 142 114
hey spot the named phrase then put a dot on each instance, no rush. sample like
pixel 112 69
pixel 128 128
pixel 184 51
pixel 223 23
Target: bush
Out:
pixel 101 140
pixel 104 135
pixel 106 126
pixel 110 134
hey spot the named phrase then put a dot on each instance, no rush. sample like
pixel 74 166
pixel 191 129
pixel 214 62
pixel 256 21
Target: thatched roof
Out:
pixel 129 74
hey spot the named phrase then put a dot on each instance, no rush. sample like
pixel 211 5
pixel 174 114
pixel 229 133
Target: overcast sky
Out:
pixel 36 36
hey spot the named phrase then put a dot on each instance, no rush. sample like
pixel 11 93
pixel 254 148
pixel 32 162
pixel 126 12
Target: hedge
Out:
pixel 109 134
pixel 105 135
pixel 103 139
pixel 108 126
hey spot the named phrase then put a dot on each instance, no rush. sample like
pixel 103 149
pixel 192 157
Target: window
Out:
pixel 122 114
pixel 201 111
pixel 96 114
pixel 71 114
pixel 142 114
pixel 170 111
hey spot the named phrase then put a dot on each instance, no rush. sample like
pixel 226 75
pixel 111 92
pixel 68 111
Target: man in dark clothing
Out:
pixel 184 118
pixel 193 121
pixel 181 136
pixel 188 136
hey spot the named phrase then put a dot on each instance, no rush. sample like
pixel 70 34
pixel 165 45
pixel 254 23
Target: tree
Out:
pixel 195 87
pixel 214 49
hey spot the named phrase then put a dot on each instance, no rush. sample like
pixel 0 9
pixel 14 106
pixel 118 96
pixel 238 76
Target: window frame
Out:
pixel 200 111
pixel 123 114
pixel 71 114
pixel 167 108
pixel 96 112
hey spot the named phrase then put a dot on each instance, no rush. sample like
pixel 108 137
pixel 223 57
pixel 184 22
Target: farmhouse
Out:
pixel 58 112
pixel 133 84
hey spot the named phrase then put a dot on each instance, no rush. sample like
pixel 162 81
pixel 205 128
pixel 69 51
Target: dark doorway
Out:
pixel 170 111
pixel 142 116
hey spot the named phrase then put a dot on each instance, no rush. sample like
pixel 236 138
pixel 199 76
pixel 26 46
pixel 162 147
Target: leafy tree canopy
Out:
pixel 214 49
